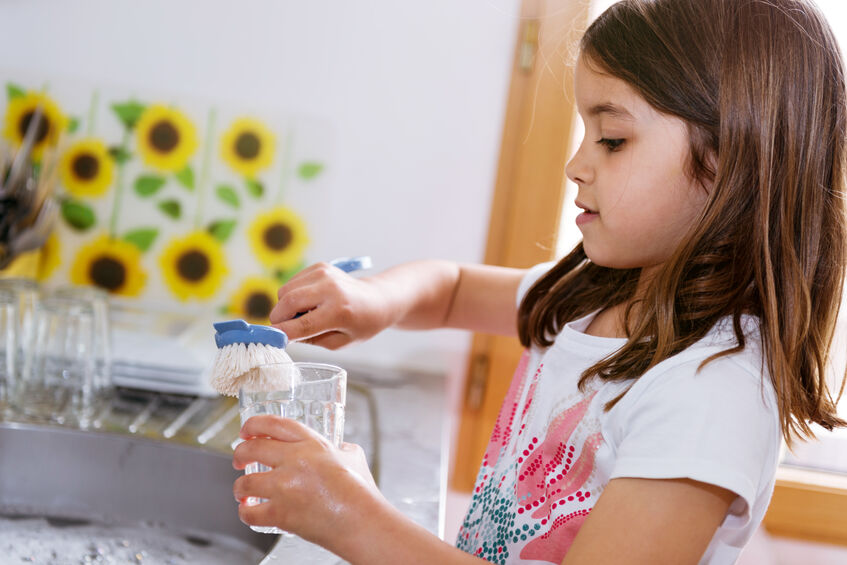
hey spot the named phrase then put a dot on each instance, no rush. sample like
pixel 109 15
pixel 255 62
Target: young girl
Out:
pixel 667 355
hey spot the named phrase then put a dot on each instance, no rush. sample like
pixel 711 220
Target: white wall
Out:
pixel 415 90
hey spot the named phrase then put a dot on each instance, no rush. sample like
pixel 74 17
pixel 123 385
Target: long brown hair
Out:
pixel 760 85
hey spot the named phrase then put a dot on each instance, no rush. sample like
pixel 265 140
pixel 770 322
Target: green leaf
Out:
pixel 283 277
pixel 224 309
pixel 171 208
pixel 142 238
pixel 186 177
pixel 310 170
pixel 119 154
pixel 226 193
pixel 14 91
pixel 222 229
pixel 73 125
pixel 79 216
pixel 255 188
pixel 129 112
pixel 148 185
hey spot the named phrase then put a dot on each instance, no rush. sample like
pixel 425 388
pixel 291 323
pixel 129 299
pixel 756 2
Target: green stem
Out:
pixel 119 188
pixel 92 114
pixel 204 168
pixel 286 167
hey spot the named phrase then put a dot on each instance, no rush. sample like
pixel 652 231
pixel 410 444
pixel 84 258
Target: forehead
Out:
pixel 599 93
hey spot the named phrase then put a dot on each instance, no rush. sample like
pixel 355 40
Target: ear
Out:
pixel 703 158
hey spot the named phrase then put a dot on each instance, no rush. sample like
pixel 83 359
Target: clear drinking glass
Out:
pixel 27 294
pixel 58 378
pixel 315 398
pixel 8 346
pixel 99 301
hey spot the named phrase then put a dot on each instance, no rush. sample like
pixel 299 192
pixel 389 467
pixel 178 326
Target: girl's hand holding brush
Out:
pixel 325 306
pixel 340 309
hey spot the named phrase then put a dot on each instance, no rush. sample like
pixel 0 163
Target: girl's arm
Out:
pixel 341 309
pixel 650 521
pixel 327 496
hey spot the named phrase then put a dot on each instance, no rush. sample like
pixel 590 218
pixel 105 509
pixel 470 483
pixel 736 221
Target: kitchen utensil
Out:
pixel 242 346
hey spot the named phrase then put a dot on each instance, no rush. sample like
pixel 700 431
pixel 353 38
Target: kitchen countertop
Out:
pixel 411 409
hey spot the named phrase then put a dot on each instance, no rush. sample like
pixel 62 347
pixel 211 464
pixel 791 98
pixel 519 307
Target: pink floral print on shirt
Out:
pixel 532 495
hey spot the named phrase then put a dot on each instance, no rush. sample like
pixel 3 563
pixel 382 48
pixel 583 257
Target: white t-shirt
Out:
pixel 554 448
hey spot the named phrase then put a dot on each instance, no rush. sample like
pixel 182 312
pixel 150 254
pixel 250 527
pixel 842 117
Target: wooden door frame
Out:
pixel 528 197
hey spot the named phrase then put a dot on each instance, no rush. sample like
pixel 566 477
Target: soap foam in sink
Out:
pixel 73 542
pixel 237 366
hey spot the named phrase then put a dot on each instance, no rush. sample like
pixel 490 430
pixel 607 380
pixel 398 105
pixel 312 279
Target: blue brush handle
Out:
pixel 350 264
pixel 239 331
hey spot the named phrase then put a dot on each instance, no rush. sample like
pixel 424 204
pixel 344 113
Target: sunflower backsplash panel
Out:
pixel 176 200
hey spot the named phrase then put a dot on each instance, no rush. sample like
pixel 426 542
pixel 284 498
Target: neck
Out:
pixel 611 322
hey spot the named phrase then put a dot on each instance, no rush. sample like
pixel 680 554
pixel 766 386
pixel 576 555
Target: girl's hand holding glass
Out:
pixel 313 489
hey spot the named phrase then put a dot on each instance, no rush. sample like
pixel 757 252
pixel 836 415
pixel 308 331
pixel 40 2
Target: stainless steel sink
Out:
pixel 105 477
pixel 156 459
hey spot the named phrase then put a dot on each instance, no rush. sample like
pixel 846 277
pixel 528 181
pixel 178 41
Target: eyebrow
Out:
pixel 612 110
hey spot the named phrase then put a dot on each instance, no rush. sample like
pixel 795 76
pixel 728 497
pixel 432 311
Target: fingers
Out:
pixel 276 427
pixel 257 515
pixel 311 324
pixel 330 340
pixel 293 301
pixel 268 452
pixel 306 291
pixel 258 485
pixel 308 275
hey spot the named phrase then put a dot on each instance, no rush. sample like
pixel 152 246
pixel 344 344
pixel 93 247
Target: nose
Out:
pixel 578 169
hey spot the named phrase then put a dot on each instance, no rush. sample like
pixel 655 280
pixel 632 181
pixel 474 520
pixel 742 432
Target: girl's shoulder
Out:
pixel 724 337
pixel 715 369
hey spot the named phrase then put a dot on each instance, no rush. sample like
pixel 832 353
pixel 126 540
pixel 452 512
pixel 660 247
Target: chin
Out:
pixel 609 261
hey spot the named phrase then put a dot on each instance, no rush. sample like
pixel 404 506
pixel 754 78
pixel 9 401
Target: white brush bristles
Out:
pixel 236 367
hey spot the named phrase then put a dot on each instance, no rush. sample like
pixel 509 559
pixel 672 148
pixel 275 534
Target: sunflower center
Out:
pixel 278 236
pixel 107 273
pixel 43 126
pixel 247 145
pixel 258 305
pixel 193 265
pixel 164 136
pixel 86 166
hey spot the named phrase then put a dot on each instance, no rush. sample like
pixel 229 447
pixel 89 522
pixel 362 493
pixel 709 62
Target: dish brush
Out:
pixel 242 348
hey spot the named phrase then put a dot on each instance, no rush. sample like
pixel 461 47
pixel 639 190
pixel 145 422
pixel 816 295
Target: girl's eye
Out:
pixel 611 144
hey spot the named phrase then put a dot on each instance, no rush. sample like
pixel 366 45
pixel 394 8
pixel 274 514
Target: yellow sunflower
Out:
pixel 247 146
pixel 166 138
pixel 111 264
pixel 87 168
pixel 50 257
pixel 278 238
pixel 19 114
pixel 254 299
pixel 194 265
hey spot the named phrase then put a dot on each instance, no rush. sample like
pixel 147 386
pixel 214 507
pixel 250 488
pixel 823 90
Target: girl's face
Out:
pixel 637 199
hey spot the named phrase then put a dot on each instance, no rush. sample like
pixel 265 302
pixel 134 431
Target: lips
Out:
pixel 587 215
pixel 585 208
